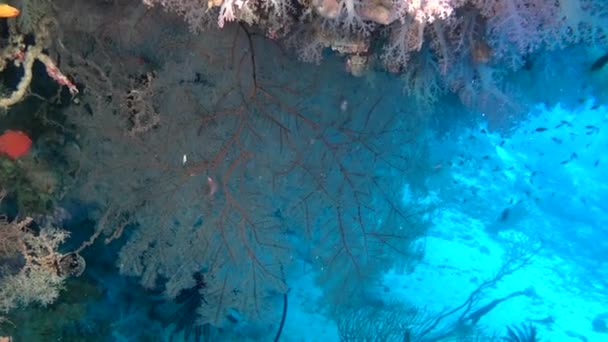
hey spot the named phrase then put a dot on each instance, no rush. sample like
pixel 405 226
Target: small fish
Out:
pixel 540 129
pixel 597 162
pixel 559 141
pixel 504 215
pixel 344 106
pixel 572 157
pixel 591 129
pixel 212 186
pixel 563 123
pixel 7 11
pixel 599 63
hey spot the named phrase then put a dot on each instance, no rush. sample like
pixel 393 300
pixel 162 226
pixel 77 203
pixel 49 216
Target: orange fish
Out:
pixel 14 144
pixel 7 11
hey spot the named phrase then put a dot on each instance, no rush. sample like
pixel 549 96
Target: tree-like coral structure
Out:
pixel 248 178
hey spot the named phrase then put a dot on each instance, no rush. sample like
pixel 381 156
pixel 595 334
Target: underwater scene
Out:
pixel 304 170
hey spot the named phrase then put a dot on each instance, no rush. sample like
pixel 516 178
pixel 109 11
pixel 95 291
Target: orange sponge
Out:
pixel 14 144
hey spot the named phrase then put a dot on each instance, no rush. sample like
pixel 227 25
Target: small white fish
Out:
pixel 344 105
pixel 212 186
pixel 184 159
